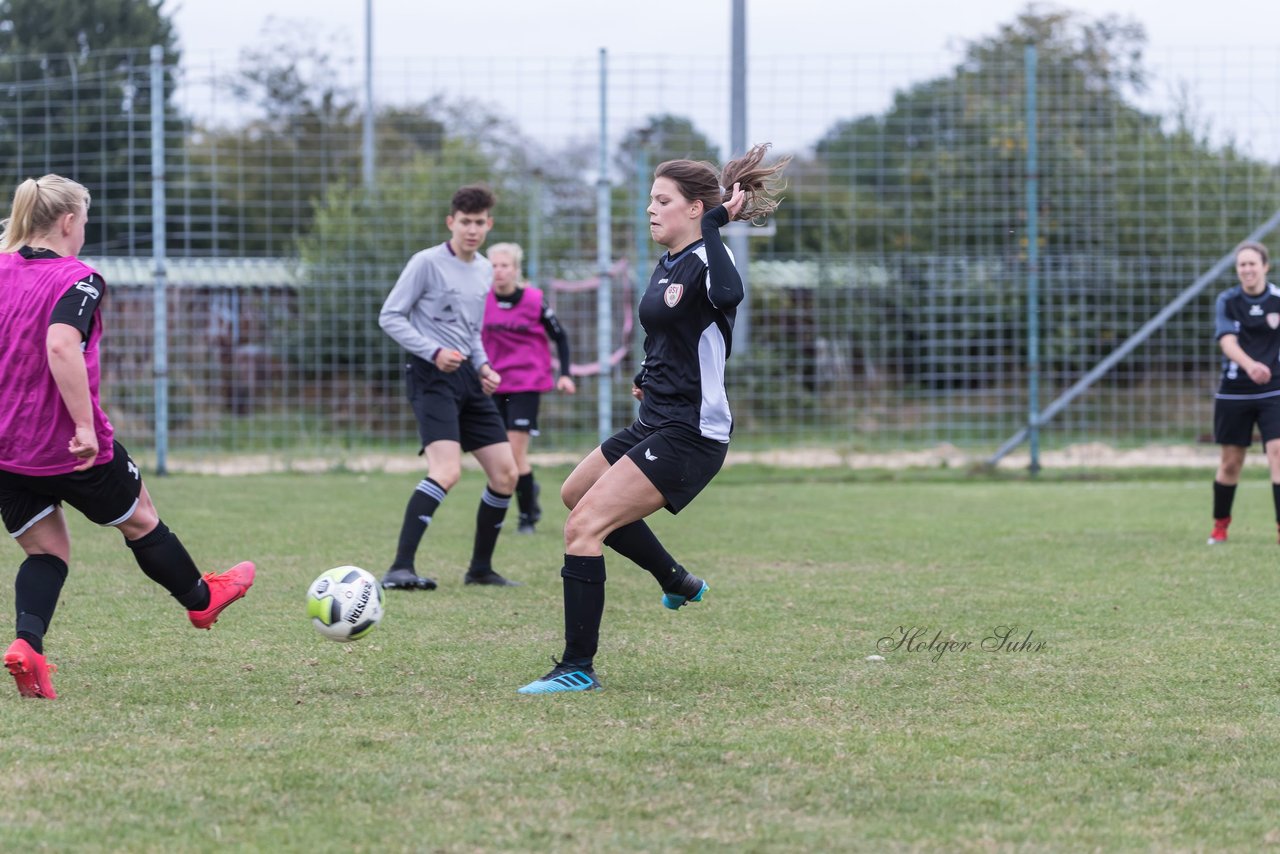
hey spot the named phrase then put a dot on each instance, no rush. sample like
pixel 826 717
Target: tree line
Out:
pixel 941 170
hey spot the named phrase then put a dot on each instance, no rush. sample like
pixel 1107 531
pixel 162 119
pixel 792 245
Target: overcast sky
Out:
pixel 1234 45
pixel 553 27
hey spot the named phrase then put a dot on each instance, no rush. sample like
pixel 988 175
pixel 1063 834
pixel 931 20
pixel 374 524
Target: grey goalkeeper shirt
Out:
pixel 438 302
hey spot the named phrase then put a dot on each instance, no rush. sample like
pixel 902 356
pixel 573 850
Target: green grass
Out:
pixel 1150 719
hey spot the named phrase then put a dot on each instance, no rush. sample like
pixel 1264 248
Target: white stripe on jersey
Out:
pixel 714 417
pixel 701 252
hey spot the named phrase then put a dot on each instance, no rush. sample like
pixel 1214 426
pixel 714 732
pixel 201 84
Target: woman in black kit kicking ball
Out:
pixel 679 441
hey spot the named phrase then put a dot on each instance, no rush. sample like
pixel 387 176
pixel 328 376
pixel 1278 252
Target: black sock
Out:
pixel 489 516
pixel 162 558
pixel 637 543
pixel 1223 497
pixel 1275 497
pixel 35 593
pixel 583 607
pixel 417 516
pixel 524 494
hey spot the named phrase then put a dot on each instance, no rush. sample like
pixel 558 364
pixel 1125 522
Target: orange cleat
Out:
pixel 1219 534
pixel 224 588
pixel 30 670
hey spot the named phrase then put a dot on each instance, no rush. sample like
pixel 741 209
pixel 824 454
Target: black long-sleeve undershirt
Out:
pixel 724 284
pixel 556 333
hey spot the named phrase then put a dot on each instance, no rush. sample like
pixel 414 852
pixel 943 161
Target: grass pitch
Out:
pixel 1129 702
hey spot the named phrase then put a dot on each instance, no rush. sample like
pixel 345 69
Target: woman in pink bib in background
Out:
pixel 518 320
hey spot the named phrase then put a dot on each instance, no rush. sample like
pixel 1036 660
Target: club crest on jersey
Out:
pixel 1273 320
pixel 672 294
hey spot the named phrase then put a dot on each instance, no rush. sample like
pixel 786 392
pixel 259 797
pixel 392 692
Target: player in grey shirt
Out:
pixel 435 312
pixel 438 303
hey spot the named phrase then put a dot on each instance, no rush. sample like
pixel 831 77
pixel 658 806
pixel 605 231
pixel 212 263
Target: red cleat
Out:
pixel 30 670
pixel 224 588
pixel 1219 534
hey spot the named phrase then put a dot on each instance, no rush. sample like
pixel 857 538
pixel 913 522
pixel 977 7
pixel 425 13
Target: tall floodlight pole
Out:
pixel 368 95
pixel 604 295
pixel 738 144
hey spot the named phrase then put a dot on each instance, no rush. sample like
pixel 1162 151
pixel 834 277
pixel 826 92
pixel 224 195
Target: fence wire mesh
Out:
pixel 887 306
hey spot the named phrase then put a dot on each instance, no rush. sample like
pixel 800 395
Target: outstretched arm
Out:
pixel 724 285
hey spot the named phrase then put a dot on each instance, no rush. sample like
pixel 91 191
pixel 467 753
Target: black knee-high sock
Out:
pixel 489 516
pixel 1223 497
pixel 1275 497
pixel 637 543
pixel 583 607
pixel 524 494
pixel 422 505
pixel 35 592
pixel 163 558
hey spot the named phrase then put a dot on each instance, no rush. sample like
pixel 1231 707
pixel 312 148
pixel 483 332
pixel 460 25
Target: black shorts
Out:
pixel 452 406
pixel 678 461
pixel 519 410
pixel 1233 420
pixel 106 494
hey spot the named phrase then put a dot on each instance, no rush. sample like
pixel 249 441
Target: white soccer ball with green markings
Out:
pixel 345 603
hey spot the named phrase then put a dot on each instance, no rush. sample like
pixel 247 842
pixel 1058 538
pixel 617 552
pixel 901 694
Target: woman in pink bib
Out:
pixel 56 443
pixel 518 320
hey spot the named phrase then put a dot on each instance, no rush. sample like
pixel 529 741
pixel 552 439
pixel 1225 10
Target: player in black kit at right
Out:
pixel 1247 326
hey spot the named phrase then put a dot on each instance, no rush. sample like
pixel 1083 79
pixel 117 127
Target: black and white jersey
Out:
pixel 687 313
pixel 1255 321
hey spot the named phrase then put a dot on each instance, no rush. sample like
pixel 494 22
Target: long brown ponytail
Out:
pixel 699 181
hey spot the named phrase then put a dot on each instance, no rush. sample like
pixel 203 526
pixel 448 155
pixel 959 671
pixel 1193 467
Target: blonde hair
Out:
pixel 512 249
pixel 37 205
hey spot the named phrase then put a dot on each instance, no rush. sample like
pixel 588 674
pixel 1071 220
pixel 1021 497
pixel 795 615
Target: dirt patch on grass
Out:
pixel 1085 455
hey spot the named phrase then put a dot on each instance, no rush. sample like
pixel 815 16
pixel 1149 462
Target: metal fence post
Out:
pixel 738 147
pixel 642 238
pixel 368 143
pixel 160 337
pixel 1033 268
pixel 604 295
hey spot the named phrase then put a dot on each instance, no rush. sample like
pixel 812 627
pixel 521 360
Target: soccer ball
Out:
pixel 345 603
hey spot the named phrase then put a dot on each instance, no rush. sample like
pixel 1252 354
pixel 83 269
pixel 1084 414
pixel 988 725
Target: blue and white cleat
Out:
pixel 692 589
pixel 564 677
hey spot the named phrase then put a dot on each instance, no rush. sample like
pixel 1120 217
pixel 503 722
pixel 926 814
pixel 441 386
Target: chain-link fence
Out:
pixel 887 305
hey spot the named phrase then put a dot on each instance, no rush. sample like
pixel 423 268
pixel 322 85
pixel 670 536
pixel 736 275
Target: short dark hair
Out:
pixel 472 199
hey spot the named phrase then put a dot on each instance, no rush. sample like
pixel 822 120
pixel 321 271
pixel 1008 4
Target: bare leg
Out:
pixel 620 495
